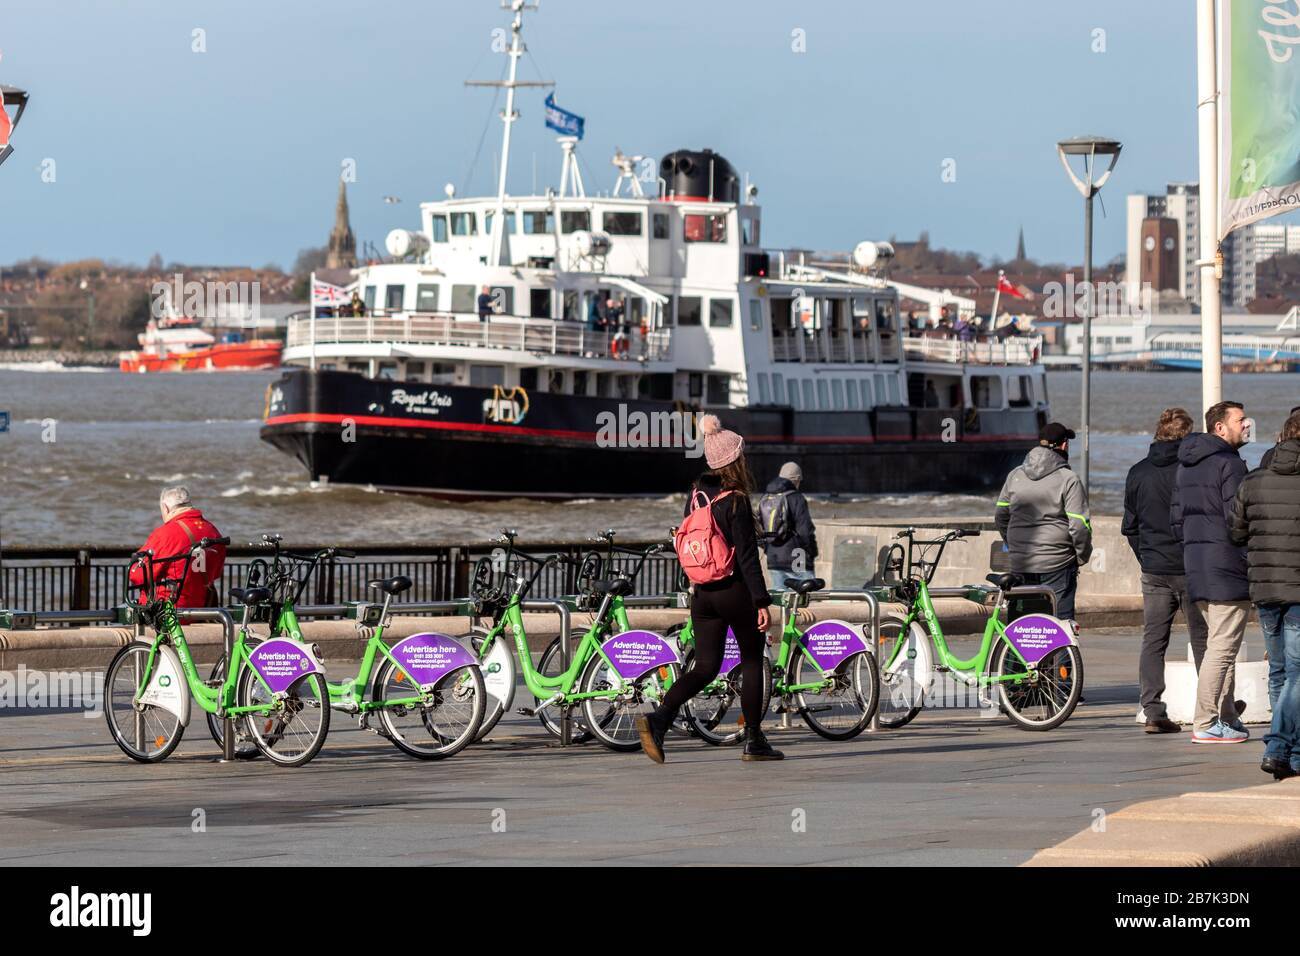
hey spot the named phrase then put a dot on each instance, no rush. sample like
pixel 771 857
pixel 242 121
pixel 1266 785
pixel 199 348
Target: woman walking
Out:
pixel 738 600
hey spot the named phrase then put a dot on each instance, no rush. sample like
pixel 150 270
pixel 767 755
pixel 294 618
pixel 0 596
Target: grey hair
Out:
pixel 173 498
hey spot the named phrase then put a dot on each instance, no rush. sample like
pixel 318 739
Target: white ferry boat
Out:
pixel 815 364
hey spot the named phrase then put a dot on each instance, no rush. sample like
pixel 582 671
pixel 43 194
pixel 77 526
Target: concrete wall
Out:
pixel 854 551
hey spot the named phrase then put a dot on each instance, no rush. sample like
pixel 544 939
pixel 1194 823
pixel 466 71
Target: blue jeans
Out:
pixel 779 577
pixel 1063 581
pixel 1281 626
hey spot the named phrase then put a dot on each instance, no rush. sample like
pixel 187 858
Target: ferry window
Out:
pixel 719 389
pixel 695 384
pixel 792 394
pixel 570 305
pixel 439 228
pixel 482 375
pixel 756 315
pixel 464 298
pixel 781 315
pixel 699 227
pixel 414 371
pixel 688 309
pixel 892 382
pixel 1020 391
pixel 624 386
pixel 861 306
pixel 778 388
pixel 764 396
pixel 660 222
pixel 573 220
pixel 369 298
pixel 503 300
pixel 720 313
pixel 851 393
pixel 442 373
pixel 387 371
pixel 621 223
pixel 362 367
pixel 837 394
pixel 880 390
pixel 510 221
pixel 426 298
pixel 538 222
pixel 749 231
pixel 463 224
pixel 555 381
pixel 823 394
pixel 809 401
pixel 539 303
pixel 393 298
pixel 884 314
pixel 1042 388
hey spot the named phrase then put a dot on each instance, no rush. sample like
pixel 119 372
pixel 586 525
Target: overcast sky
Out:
pixel 231 156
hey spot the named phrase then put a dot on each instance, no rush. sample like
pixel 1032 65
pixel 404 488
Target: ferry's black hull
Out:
pixel 346 429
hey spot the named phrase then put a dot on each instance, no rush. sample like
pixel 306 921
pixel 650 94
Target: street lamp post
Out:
pixel 1090 148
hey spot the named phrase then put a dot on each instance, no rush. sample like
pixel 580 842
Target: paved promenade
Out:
pixel 951 788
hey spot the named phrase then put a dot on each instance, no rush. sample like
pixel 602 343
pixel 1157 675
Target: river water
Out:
pixel 88 451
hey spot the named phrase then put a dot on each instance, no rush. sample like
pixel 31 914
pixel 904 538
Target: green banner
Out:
pixel 1259 110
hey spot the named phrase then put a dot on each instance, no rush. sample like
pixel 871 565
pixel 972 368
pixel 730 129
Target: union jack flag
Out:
pixel 322 293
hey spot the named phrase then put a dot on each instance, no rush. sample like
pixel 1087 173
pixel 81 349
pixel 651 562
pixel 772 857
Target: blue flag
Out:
pixel 562 121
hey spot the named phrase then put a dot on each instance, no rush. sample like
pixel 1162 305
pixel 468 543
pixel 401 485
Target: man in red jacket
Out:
pixel 183 527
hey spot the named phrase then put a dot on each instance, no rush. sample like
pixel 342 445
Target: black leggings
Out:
pixel 712 612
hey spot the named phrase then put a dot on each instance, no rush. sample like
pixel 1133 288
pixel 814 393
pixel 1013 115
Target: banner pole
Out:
pixel 1208 149
pixel 997 294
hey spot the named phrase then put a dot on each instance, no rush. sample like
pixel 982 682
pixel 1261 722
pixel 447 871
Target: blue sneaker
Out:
pixel 1237 725
pixel 1220 733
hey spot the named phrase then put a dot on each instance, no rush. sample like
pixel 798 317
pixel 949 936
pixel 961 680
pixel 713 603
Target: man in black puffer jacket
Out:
pixel 1148 492
pixel 1266 519
pixel 1209 470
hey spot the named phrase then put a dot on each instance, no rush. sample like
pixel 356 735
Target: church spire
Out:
pixel 342 252
pixel 1020 245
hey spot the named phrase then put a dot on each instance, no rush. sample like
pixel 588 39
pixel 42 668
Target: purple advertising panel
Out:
pixel 730 654
pixel 830 642
pixel 282 661
pixel 428 658
pixel 1037 635
pixel 634 653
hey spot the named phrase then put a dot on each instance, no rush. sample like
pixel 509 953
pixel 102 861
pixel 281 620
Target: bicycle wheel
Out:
pixel 843 705
pixel 498 684
pixel 904 682
pixel 612 718
pixel 549 666
pixel 147 733
pixel 446 723
pixel 714 714
pixel 245 749
pixel 1048 693
pixel 293 728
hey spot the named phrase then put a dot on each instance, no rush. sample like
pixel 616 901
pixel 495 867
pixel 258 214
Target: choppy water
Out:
pixel 89 450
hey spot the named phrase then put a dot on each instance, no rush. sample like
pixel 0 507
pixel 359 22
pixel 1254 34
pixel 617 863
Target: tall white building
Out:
pixel 1177 210
pixel 1276 240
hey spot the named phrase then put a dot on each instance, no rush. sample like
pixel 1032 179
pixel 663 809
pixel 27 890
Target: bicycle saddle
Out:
pixel 616 586
pixel 1005 581
pixel 390 586
pixel 251 596
pixel 806 585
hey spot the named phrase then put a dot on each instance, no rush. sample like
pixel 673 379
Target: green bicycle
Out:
pixel 826 674
pixel 277 687
pixel 616 674
pixel 426 690
pixel 1033 664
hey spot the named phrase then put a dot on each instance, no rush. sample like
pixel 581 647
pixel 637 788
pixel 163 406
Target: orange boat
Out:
pixel 179 344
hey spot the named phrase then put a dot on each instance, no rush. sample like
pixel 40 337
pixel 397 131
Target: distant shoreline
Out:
pixel 92 359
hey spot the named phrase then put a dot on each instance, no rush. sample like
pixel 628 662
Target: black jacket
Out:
pixel 1266 519
pixel 1209 471
pixel 735 517
pixel 1148 491
pixel 804 534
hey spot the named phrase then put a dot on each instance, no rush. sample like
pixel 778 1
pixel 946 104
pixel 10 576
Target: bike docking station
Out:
pixel 870 596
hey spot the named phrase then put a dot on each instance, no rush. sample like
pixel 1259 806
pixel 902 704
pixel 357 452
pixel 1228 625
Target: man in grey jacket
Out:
pixel 1042 515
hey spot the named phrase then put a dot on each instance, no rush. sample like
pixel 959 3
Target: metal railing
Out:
pixel 517 333
pixel 69 580
pixel 1018 350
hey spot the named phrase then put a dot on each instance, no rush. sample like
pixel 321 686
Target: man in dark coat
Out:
pixel 790 555
pixel 1266 519
pixel 1148 492
pixel 1209 470
pixel 1268 455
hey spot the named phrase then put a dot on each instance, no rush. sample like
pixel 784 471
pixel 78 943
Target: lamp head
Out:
pixel 1089 147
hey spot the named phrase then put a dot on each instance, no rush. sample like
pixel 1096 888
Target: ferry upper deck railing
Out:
pixel 1017 350
pixel 510 332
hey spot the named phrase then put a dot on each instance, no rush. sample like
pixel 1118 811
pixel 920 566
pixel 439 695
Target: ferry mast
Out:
pixel 509 116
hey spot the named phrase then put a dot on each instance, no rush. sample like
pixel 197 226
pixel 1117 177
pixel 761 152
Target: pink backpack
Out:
pixel 701 547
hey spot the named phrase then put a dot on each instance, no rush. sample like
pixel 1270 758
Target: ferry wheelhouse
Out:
pixel 808 362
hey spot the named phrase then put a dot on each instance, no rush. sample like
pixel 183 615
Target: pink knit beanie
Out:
pixel 721 447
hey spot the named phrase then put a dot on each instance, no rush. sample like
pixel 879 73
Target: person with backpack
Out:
pixel 717 545
pixel 791 544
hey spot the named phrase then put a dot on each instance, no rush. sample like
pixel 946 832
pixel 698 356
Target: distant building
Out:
pixel 342 252
pixel 1157 221
pixel 1271 240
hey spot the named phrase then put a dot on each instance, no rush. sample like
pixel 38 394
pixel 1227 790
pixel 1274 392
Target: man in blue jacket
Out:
pixel 1209 470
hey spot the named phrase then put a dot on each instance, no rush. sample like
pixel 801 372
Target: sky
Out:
pixel 846 114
